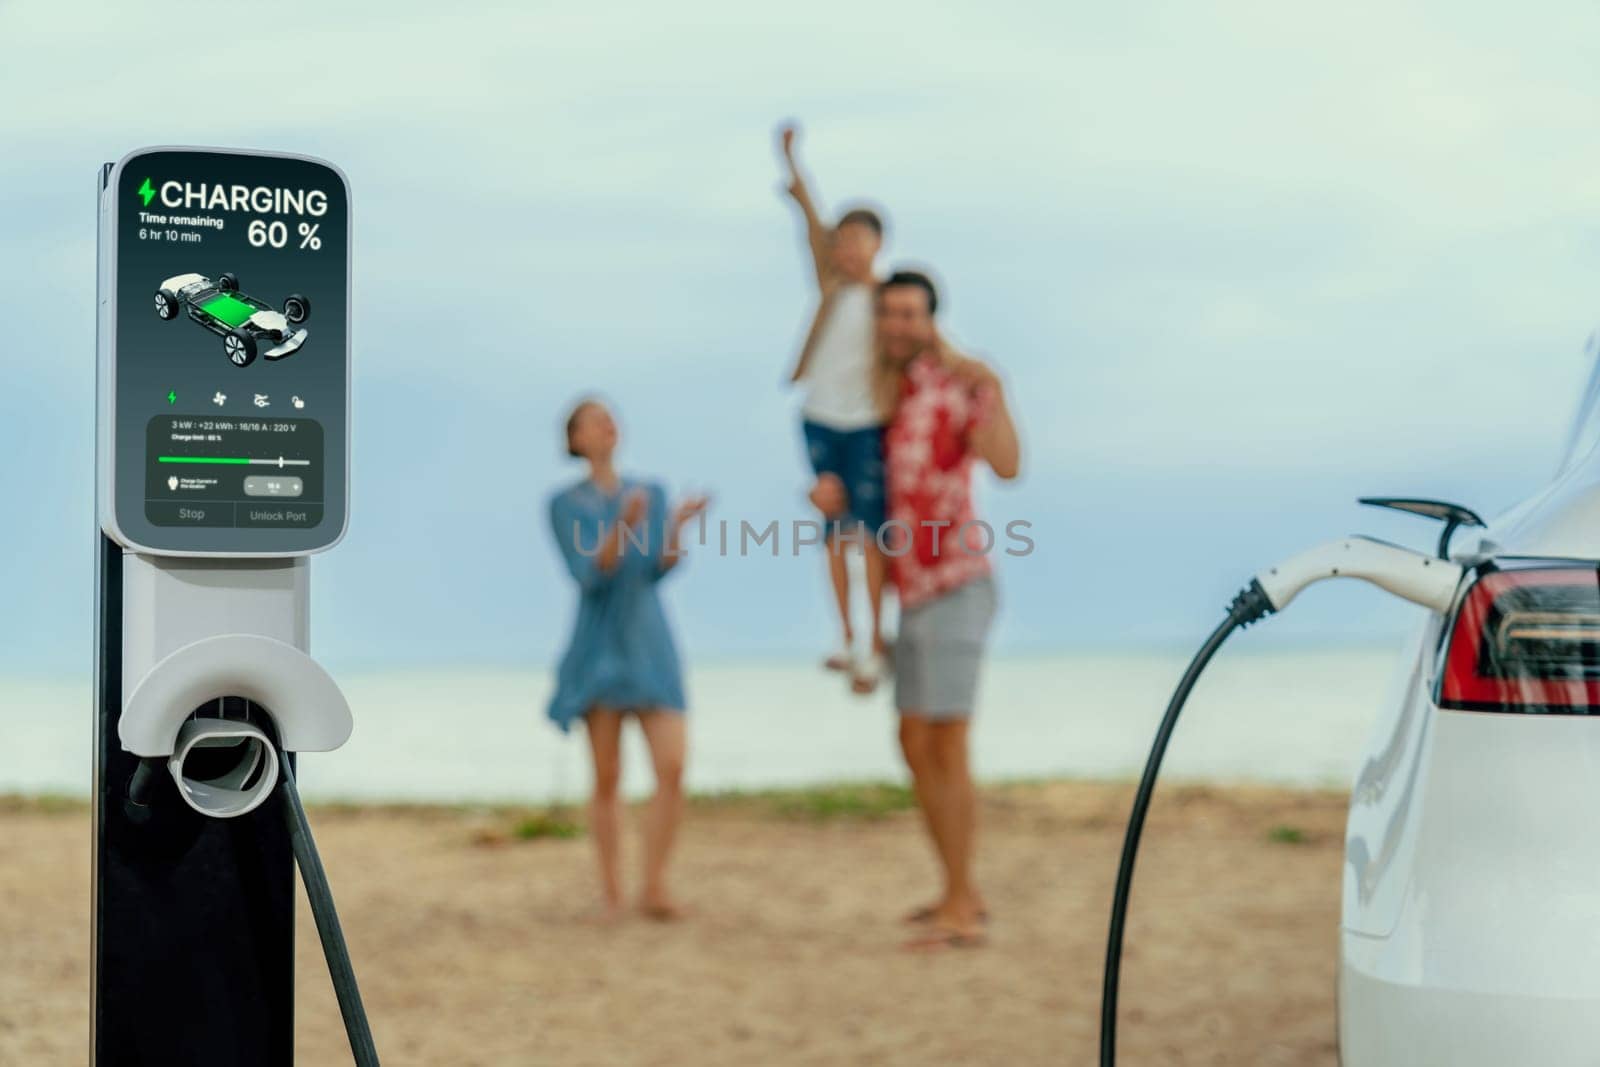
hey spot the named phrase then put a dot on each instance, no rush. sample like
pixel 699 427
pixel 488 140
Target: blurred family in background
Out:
pixel 894 420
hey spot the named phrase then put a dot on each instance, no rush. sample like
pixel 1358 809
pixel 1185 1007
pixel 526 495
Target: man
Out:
pixel 949 413
pixel 842 425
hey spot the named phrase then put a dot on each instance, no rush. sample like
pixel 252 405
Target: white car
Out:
pixel 1470 930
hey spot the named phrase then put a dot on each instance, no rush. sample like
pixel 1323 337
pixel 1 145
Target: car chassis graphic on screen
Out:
pixel 242 321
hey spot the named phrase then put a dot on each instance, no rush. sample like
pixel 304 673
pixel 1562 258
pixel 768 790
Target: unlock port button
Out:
pixel 281 516
pixel 273 485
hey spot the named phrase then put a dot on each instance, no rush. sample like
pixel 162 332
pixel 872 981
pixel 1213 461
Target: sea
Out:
pixel 473 735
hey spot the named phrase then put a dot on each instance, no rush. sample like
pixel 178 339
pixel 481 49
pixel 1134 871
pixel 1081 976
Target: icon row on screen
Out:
pixel 257 400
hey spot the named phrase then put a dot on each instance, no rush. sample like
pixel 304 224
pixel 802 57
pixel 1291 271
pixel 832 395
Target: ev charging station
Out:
pixel 223 444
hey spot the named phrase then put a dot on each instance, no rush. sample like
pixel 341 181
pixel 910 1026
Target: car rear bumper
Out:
pixel 1386 1023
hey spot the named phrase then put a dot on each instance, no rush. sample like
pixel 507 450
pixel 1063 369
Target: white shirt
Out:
pixel 838 376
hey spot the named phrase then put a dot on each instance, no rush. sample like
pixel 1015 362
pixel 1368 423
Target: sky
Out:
pixel 1239 263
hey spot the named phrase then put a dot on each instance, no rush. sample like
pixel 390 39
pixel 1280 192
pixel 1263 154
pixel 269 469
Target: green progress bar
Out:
pixel 199 459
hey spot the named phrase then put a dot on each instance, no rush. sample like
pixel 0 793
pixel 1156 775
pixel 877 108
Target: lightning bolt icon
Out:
pixel 147 192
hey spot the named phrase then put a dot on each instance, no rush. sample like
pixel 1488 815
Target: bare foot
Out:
pixel 661 910
pixel 930 912
pixel 953 924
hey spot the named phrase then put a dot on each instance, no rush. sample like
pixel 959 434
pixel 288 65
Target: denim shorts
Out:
pixel 855 457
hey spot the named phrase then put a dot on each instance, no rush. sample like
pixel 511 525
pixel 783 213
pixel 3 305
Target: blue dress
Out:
pixel 621 654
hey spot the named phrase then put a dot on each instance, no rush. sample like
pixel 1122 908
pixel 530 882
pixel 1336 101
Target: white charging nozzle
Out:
pixel 223 768
pixel 1409 575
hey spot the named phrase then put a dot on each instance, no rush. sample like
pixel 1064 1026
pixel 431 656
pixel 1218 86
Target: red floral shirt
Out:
pixel 933 540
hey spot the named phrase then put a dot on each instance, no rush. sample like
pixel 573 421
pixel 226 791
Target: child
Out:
pixel 842 424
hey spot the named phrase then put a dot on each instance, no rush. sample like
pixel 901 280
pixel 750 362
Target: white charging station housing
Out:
pixel 223 445
pixel 217 630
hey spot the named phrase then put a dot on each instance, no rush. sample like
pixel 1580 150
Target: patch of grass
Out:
pixel 546 824
pixel 510 825
pixel 871 801
pixel 842 800
pixel 1286 835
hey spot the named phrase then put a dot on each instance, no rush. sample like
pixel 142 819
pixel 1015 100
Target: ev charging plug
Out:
pixel 1409 575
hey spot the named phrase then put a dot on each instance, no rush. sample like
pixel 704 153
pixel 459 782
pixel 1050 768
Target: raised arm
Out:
pixel 818 234
pixel 994 440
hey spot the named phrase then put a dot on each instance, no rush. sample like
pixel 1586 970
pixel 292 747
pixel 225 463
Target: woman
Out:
pixel 618 540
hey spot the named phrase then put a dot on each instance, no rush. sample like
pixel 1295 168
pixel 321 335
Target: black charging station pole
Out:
pixel 193 932
pixel 222 464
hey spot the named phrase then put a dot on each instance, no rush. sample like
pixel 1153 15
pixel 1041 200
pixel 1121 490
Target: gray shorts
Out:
pixel 939 649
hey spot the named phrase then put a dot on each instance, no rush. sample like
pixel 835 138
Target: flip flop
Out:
pixel 839 661
pixel 925 915
pixel 941 938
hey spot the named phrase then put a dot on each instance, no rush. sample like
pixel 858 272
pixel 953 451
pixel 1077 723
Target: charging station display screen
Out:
pixel 225 387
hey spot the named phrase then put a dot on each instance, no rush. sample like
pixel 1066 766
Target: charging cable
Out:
pixel 340 969
pixel 1423 580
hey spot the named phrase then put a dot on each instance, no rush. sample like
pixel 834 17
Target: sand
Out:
pixel 472 948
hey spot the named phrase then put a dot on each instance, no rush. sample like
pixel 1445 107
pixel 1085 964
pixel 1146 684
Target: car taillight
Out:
pixel 1527 640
